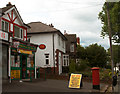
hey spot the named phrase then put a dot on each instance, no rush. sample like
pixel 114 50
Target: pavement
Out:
pixel 116 89
pixel 49 85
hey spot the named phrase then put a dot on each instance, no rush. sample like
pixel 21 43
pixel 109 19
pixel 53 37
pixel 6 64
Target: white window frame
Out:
pixel 19 33
pixel 65 60
pixel 47 59
pixel 4 25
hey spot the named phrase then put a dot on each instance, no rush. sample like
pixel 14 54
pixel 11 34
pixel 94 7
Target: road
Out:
pixel 49 85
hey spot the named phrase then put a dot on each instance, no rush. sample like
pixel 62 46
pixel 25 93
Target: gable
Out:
pixel 12 15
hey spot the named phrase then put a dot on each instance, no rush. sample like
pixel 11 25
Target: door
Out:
pixel 24 66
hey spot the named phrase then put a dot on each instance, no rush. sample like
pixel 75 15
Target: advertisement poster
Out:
pixel 75 80
pixel 15 74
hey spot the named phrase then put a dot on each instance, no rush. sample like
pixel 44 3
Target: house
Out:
pixel 51 46
pixel 4 46
pixel 19 54
pixel 71 45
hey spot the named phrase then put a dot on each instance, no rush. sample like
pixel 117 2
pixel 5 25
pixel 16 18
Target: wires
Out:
pixel 71 9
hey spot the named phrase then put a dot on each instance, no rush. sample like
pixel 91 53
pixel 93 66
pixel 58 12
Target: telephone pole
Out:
pixel 110 40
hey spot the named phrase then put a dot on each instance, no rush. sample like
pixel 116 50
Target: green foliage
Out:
pixel 96 55
pixel 72 66
pixel 81 52
pixel 105 74
pixel 114 10
pixel 83 65
pixel 116 51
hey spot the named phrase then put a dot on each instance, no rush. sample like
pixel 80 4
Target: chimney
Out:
pixel 65 32
pixel 9 4
pixel 78 41
pixel 51 25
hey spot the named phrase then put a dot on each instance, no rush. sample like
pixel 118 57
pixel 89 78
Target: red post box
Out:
pixel 95 78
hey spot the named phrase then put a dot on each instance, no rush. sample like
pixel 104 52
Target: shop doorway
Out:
pixel 24 66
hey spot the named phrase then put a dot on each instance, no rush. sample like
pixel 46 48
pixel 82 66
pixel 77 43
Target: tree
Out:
pixel 72 66
pixel 116 52
pixel 96 55
pixel 81 52
pixel 114 11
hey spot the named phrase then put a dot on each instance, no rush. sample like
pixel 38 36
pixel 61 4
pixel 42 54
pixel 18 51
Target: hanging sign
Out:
pixel 42 46
pixel 3 35
pixel 75 80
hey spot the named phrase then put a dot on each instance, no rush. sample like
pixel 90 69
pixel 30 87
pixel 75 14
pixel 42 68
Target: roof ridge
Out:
pixel 43 24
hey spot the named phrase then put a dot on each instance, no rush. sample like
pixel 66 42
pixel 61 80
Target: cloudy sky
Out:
pixel 78 17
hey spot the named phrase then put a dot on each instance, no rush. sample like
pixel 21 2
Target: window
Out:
pixel 24 32
pixel 21 30
pixel 15 61
pixel 47 59
pixel 17 32
pixel 66 60
pixel 72 48
pixel 5 26
pixel 30 61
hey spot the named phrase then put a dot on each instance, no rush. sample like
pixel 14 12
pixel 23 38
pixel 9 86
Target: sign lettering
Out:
pixel 75 80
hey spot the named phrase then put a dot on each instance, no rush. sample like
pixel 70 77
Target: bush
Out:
pixel 72 66
pixel 105 74
pixel 83 65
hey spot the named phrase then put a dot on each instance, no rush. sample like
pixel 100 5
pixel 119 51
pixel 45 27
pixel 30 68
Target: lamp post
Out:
pixel 110 40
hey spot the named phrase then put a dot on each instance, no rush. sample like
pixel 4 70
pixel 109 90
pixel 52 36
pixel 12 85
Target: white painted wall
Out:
pixel 46 39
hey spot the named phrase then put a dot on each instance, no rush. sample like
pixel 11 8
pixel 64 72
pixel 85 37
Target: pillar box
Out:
pixel 95 78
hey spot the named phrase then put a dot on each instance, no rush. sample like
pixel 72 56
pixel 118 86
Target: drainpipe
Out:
pixel 10 62
pixel 53 53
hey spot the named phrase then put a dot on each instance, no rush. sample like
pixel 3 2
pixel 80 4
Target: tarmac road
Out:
pixel 49 85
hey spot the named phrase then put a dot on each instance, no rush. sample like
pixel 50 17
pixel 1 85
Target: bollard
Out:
pixel 95 78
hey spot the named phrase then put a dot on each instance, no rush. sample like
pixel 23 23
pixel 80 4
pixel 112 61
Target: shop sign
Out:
pixel 16 44
pixel 24 51
pixel 15 74
pixel 23 46
pixel 75 80
pixel 42 46
pixel 3 35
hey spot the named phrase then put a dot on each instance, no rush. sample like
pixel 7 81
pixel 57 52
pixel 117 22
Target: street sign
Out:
pixel 75 80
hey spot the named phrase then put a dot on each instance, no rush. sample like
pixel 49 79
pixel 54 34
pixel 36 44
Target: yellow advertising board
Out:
pixel 75 80
pixel 15 74
pixel 25 52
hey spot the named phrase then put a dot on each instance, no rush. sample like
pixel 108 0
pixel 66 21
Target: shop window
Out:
pixel 30 61
pixel 5 26
pixel 15 61
pixel 47 59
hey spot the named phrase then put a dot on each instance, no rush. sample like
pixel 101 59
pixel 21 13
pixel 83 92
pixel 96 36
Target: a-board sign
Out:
pixel 75 80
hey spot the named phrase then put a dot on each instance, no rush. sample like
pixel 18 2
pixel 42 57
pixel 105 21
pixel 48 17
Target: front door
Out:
pixel 24 66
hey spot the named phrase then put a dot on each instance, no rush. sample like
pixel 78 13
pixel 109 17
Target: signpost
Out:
pixel 75 80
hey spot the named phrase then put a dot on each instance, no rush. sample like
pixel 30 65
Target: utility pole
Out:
pixel 110 40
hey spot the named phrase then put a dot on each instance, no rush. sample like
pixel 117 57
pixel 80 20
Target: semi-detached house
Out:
pixel 51 46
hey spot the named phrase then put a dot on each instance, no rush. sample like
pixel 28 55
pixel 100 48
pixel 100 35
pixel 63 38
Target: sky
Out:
pixel 78 17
